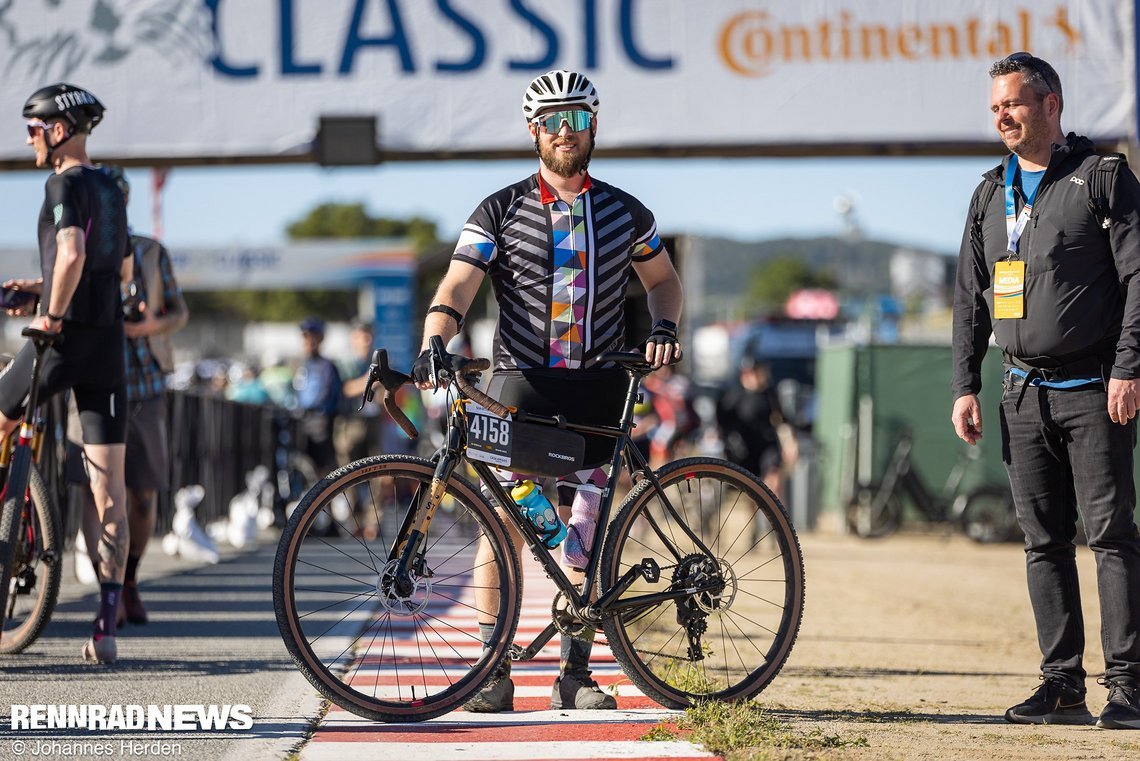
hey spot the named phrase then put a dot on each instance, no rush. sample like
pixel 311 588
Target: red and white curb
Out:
pixel 529 733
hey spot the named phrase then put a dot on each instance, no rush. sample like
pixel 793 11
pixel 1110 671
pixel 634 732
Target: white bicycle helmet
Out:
pixel 559 88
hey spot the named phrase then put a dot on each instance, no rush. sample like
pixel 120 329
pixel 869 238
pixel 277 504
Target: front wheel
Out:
pixel 384 646
pixel 34 579
pixel 715 528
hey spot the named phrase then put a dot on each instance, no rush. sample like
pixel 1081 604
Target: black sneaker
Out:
pixel 575 689
pixel 1123 708
pixel 1055 702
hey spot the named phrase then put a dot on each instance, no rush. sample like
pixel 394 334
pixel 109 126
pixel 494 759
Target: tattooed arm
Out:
pixel 71 251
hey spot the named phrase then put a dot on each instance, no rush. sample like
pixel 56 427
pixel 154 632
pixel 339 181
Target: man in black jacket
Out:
pixel 1055 282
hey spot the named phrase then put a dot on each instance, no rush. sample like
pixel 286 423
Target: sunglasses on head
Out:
pixel 1025 59
pixel 36 124
pixel 552 122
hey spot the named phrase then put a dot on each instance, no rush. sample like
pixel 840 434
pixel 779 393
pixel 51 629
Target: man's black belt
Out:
pixel 1088 366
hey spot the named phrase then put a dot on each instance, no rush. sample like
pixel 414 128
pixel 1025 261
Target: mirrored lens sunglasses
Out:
pixel 552 122
pixel 36 124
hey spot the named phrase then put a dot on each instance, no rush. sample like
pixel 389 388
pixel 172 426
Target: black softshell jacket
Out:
pixel 1081 289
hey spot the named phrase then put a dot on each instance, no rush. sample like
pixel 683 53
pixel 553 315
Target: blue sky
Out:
pixel 915 201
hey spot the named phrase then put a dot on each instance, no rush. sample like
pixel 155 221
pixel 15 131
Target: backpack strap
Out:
pixel 978 210
pixel 1100 180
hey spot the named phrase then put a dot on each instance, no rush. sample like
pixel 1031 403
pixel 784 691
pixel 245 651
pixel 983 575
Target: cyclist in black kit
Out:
pixel 559 247
pixel 82 240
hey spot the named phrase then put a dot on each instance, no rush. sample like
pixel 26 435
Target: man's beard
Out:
pixel 565 164
pixel 1033 134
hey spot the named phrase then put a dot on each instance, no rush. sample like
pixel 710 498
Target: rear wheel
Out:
pixel 713 527
pixel 378 646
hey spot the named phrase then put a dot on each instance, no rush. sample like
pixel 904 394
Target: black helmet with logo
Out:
pixel 77 106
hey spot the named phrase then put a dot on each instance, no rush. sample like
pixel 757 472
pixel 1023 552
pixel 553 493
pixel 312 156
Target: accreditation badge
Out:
pixel 1009 290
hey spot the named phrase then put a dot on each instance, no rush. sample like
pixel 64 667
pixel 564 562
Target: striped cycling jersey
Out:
pixel 559 270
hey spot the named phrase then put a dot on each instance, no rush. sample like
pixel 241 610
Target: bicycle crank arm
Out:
pixel 646 569
pixel 526 653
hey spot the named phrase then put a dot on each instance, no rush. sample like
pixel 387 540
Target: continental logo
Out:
pixel 755 44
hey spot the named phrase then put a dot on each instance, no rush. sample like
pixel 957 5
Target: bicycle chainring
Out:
pixel 565 620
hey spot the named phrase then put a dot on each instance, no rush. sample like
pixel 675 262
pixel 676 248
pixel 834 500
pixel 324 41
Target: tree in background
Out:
pixel 351 220
pixel 329 220
pixel 771 283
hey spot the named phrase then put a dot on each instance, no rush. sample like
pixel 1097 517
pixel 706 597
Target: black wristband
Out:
pixel 52 317
pixel 668 325
pixel 452 313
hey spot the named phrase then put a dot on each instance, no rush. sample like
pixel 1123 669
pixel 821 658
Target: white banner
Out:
pixel 293 266
pixel 250 78
pixel 308 264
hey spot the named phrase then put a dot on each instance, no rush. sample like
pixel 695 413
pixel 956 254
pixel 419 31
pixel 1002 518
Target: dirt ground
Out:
pixel 918 643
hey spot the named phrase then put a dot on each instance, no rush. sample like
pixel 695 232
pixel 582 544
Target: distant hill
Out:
pixel 719 269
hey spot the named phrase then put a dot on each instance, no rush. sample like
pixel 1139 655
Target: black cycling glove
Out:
pixel 423 369
pixel 665 334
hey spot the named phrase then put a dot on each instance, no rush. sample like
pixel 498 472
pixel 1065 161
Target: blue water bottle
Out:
pixel 541 514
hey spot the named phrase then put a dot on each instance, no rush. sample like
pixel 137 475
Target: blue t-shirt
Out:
pixel 1030 181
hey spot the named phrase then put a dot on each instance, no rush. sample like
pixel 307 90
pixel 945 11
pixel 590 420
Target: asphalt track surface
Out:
pixel 213 641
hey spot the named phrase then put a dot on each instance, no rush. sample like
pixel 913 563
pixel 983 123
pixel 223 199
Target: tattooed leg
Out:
pixel 105 467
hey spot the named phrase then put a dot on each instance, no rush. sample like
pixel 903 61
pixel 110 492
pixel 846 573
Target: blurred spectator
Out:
pixel 318 388
pixel 748 418
pixel 277 380
pixel 245 385
pixel 672 418
pixel 358 430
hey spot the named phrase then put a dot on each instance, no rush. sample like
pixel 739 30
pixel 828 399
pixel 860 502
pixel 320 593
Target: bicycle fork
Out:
pixel 418 520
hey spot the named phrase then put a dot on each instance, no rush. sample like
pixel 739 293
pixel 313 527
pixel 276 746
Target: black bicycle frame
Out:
pixel 451 454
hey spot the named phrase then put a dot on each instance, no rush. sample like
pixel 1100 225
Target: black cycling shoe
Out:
pixel 1055 702
pixel 1123 708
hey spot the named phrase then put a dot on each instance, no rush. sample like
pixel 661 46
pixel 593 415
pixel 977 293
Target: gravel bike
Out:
pixel 984 513
pixel 692 610
pixel 31 549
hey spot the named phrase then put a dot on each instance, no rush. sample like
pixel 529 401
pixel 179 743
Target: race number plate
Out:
pixel 489 436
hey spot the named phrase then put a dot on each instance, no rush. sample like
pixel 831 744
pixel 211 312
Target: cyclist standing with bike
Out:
pixel 1055 276
pixel 82 240
pixel 559 248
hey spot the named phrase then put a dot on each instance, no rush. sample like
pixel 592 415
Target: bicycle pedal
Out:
pixel 650 571
pixel 516 652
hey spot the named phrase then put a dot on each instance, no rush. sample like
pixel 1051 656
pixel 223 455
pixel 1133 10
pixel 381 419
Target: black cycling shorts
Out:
pixel 589 397
pixel 90 361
